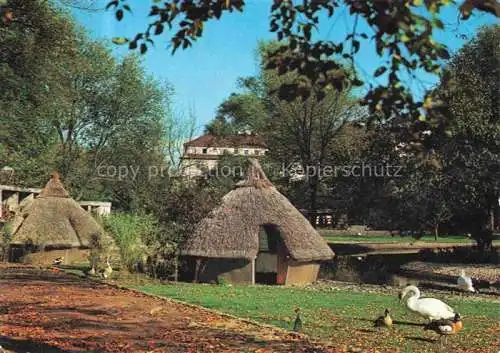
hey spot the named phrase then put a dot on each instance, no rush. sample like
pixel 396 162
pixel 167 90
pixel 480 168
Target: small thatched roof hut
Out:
pixel 257 225
pixel 53 220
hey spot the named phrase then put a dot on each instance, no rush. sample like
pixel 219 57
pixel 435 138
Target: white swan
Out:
pixel 430 308
pixel 465 283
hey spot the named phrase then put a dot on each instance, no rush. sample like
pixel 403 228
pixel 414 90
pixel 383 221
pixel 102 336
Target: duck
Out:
pixel 446 327
pixel 58 260
pixel 91 271
pixel 464 282
pixel 297 325
pixel 384 320
pixel 429 308
pixel 107 271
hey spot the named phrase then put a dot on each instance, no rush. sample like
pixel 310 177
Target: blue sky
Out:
pixel 204 75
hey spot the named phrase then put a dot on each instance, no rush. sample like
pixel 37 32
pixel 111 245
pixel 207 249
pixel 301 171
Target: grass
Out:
pixel 343 317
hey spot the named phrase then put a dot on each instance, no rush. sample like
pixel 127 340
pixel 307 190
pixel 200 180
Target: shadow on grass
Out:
pixel 420 339
pixel 18 345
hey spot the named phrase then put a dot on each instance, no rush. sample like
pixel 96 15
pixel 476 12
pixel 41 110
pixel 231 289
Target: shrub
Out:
pixel 135 236
pixel 5 237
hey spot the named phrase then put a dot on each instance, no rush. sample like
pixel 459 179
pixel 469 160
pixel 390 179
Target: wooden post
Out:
pixel 196 270
pixel 253 269
pixel 176 267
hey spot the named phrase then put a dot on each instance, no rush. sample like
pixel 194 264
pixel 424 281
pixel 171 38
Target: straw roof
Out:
pixel 55 220
pixel 232 229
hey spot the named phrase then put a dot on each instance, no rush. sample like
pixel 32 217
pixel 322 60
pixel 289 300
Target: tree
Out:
pixel 467 137
pixel 34 42
pixel 402 33
pixel 300 134
pixel 68 105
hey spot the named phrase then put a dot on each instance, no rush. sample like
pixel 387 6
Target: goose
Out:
pixel 430 308
pixel 384 320
pixel 465 283
pixel 445 327
pixel 297 325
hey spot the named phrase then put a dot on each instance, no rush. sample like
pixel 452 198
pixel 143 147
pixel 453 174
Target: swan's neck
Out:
pixel 411 301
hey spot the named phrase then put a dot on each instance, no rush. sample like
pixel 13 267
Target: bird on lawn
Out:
pixel 430 308
pixel 445 327
pixel 107 271
pixel 464 282
pixel 384 320
pixel 58 261
pixel 91 271
pixel 297 325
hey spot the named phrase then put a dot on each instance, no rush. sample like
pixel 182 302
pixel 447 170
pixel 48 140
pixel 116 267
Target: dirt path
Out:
pixel 53 312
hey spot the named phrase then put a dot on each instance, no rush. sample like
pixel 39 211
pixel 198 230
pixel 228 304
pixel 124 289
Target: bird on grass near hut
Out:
pixel 297 325
pixel 384 320
pixel 91 271
pixel 464 282
pixel 58 261
pixel 445 327
pixel 429 308
pixel 107 271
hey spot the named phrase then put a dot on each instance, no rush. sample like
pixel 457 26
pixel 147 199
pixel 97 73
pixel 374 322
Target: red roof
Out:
pixel 235 141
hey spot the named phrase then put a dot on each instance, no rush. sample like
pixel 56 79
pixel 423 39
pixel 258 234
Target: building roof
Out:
pixel 232 229
pixel 55 220
pixel 234 141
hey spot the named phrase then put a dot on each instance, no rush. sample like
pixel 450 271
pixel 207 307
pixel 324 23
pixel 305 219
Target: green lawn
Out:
pixel 344 317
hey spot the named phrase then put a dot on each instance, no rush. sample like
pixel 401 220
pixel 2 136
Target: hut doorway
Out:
pixel 270 264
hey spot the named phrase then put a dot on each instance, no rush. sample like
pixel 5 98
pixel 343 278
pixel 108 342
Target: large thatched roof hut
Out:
pixel 256 235
pixel 54 221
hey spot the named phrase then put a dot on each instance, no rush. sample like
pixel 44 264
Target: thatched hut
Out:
pixel 256 236
pixel 54 222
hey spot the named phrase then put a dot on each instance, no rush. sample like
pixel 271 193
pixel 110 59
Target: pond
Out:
pixel 400 269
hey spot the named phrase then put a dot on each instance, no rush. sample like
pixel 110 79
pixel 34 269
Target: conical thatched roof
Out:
pixel 55 220
pixel 54 187
pixel 232 229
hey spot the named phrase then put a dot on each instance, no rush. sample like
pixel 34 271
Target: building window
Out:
pixel 257 152
pixel 204 151
pixel 236 151
pixel 246 152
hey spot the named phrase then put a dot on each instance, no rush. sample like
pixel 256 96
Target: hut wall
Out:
pixel 302 272
pixel 231 270
pixel 45 258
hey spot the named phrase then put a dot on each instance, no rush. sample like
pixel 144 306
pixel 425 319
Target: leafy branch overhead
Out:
pixel 402 33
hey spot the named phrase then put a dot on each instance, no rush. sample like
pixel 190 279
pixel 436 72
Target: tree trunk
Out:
pixel 436 231
pixel 313 199
pixel 492 217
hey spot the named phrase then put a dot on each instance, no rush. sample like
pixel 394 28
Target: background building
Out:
pixel 203 153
